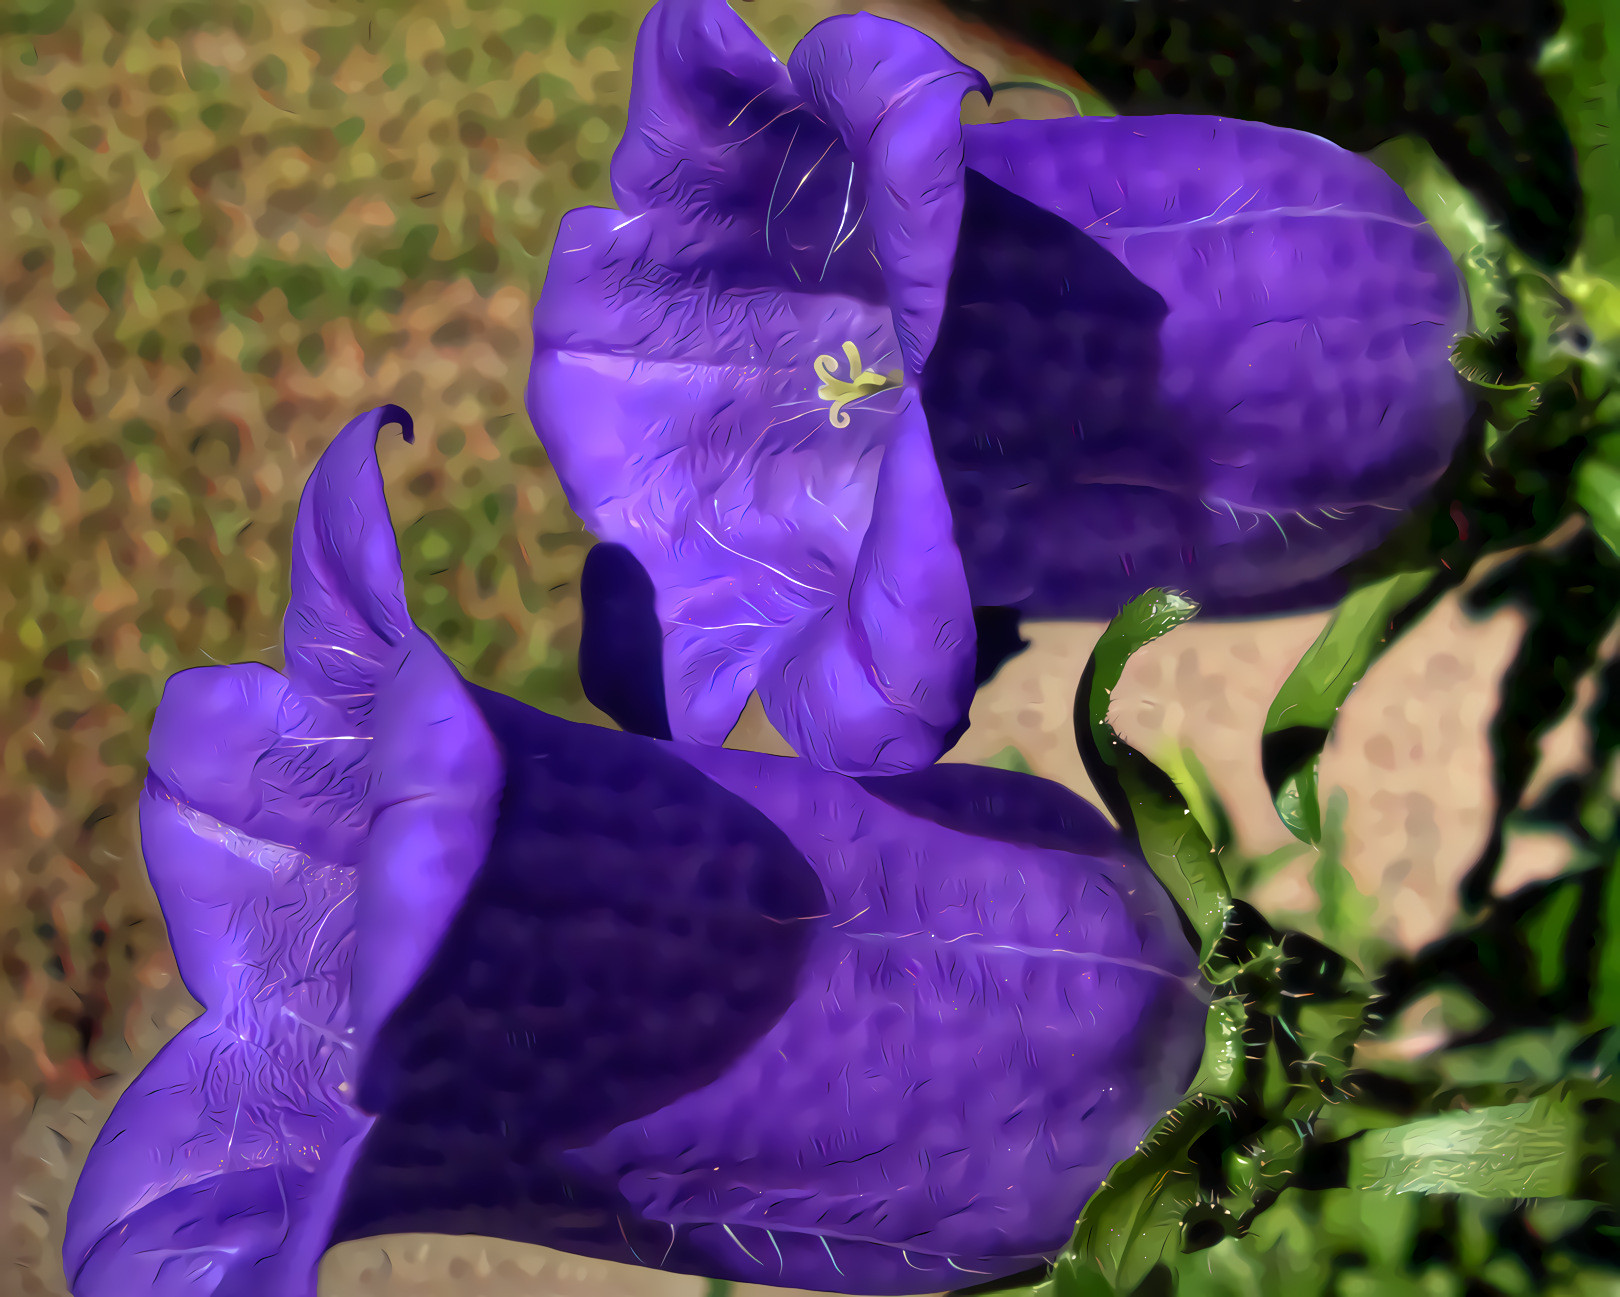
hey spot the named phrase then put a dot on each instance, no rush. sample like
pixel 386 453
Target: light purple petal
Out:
pixel 771 217
pixel 895 97
pixel 882 684
pixel 308 838
pixel 687 427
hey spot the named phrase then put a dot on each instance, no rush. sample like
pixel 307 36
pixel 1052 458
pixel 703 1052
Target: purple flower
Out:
pixel 469 968
pixel 840 370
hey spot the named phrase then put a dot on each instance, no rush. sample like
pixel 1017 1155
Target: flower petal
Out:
pixel 689 427
pixel 698 69
pixel 348 593
pixel 895 96
pixel 884 683
pixel 1298 383
pixel 723 152
pixel 634 928
pixel 775 220
pixel 1306 292
pixel 884 1189
pixel 760 1038
pixel 435 774
pixel 308 838
pixel 621 643
pixel 672 1004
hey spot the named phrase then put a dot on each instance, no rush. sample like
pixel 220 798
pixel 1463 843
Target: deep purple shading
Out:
pixel 621 663
pixel 633 929
pixel 465 966
pixel 1000 804
pixel 1120 353
pixel 1303 365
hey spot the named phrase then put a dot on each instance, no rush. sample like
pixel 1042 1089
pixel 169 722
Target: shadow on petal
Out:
pixel 621 645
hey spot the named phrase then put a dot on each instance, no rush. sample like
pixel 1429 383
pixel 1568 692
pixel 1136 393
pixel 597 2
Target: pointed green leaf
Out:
pixel 1141 796
pixel 1133 1221
pixel 1221 1071
pixel 1302 713
pixel 1597 490
pixel 1518 1150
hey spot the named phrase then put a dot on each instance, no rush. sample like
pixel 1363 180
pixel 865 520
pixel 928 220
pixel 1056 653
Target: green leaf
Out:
pixel 1518 1150
pixel 1302 713
pixel 1010 758
pixel 1597 489
pixel 1344 912
pixel 1187 772
pixel 1134 1218
pixel 1479 359
pixel 1582 66
pixel 1221 1071
pixel 1140 796
pixel 1606 957
pixel 1546 931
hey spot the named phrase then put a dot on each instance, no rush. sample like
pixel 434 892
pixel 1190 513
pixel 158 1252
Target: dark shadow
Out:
pixel 621 644
pixel 1049 345
pixel 632 931
pixel 997 640
pixel 1002 805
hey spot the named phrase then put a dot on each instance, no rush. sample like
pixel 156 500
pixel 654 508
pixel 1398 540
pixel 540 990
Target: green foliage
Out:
pixel 1302 713
pixel 1597 487
pixel 1516 1150
pixel 1140 796
pixel 1010 758
pixel 1313 1155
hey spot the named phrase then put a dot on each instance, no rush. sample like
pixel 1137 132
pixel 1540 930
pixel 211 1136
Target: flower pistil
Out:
pixel 860 383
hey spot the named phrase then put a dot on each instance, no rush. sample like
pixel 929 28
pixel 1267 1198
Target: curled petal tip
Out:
pixel 395 414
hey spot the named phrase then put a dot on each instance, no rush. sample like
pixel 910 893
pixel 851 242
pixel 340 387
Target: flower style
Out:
pixel 840 370
pixel 466 967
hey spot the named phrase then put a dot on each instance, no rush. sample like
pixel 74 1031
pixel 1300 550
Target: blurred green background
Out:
pixel 230 228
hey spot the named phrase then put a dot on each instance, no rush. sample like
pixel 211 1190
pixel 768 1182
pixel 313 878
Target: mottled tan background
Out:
pixel 226 230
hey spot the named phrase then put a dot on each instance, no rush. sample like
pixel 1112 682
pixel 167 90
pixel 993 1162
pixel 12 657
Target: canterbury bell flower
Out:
pixel 467 968
pixel 837 371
